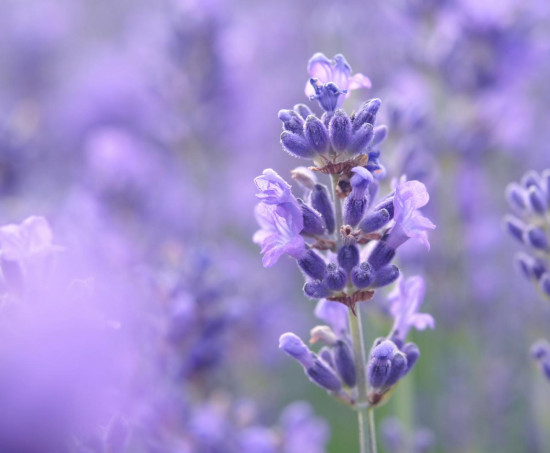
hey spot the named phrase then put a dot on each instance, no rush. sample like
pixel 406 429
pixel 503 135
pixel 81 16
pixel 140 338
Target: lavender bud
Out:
pixel 296 145
pixel 295 347
pixel 515 227
pixel 412 353
pixel 381 255
pixel 375 220
pixel 361 138
pixel 544 283
pixel 323 334
pixel 535 237
pixel 322 375
pixel 335 278
pixel 386 204
pixel 354 210
pixel 322 203
pixel 326 354
pixel 316 134
pixel 326 94
pixel 379 364
pixel 313 222
pixel 385 276
pixel 339 130
pixel 515 195
pixel 366 114
pixel 537 199
pixel 305 177
pixel 397 370
pixel 362 275
pixel 344 364
pixel 380 134
pixel 348 257
pixel 302 110
pixel 291 121
pixel 313 265
pixel 316 289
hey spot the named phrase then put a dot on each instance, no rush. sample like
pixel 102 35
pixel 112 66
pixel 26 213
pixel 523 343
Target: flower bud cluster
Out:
pixel 529 224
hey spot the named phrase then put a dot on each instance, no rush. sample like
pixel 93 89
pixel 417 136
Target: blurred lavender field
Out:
pixel 135 314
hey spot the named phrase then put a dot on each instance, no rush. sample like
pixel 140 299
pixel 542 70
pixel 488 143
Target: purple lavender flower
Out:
pixel 405 300
pixel 409 197
pixel 336 71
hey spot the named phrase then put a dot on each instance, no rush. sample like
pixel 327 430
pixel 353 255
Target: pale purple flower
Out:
pixel 337 71
pixel 273 189
pixel 409 222
pixel 279 232
pixel 333 313
pixel 33 237
pixel 405 301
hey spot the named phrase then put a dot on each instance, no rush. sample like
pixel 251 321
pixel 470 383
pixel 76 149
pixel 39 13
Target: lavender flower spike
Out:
pixel 405 300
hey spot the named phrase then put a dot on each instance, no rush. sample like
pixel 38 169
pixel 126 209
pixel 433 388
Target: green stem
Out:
pixel 367 435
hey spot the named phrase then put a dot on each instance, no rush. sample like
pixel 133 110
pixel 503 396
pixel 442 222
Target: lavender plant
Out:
pixel 344 240
pixel 529 224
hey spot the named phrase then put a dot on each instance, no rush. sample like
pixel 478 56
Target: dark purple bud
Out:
pixel 535 237
pixel 381 255
pixel 386 204
pixel 326 354
pixel 336 278
pixel 313 222
pixel 321 202
pixel 379 364
pixel 302 110
pixel 348 257
pixel 375 220
pixel 116 439
pixel 385 276
pixel 516 196
pixel 412 353
pixel 316 134
pixel 380 134
pixel 322 375
pixel 366 114
pixel 292 121
pixel 325 94
pixel 296 145
pixel 354 210
pixel 537 200
pixel 339 130
pixel 515 227
pixel 313 265
pixel 398 369
pixel 362 275
pixel 529 266
pixel 544 283
pixel 361 138
pixel 316 289
pixel 343 362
